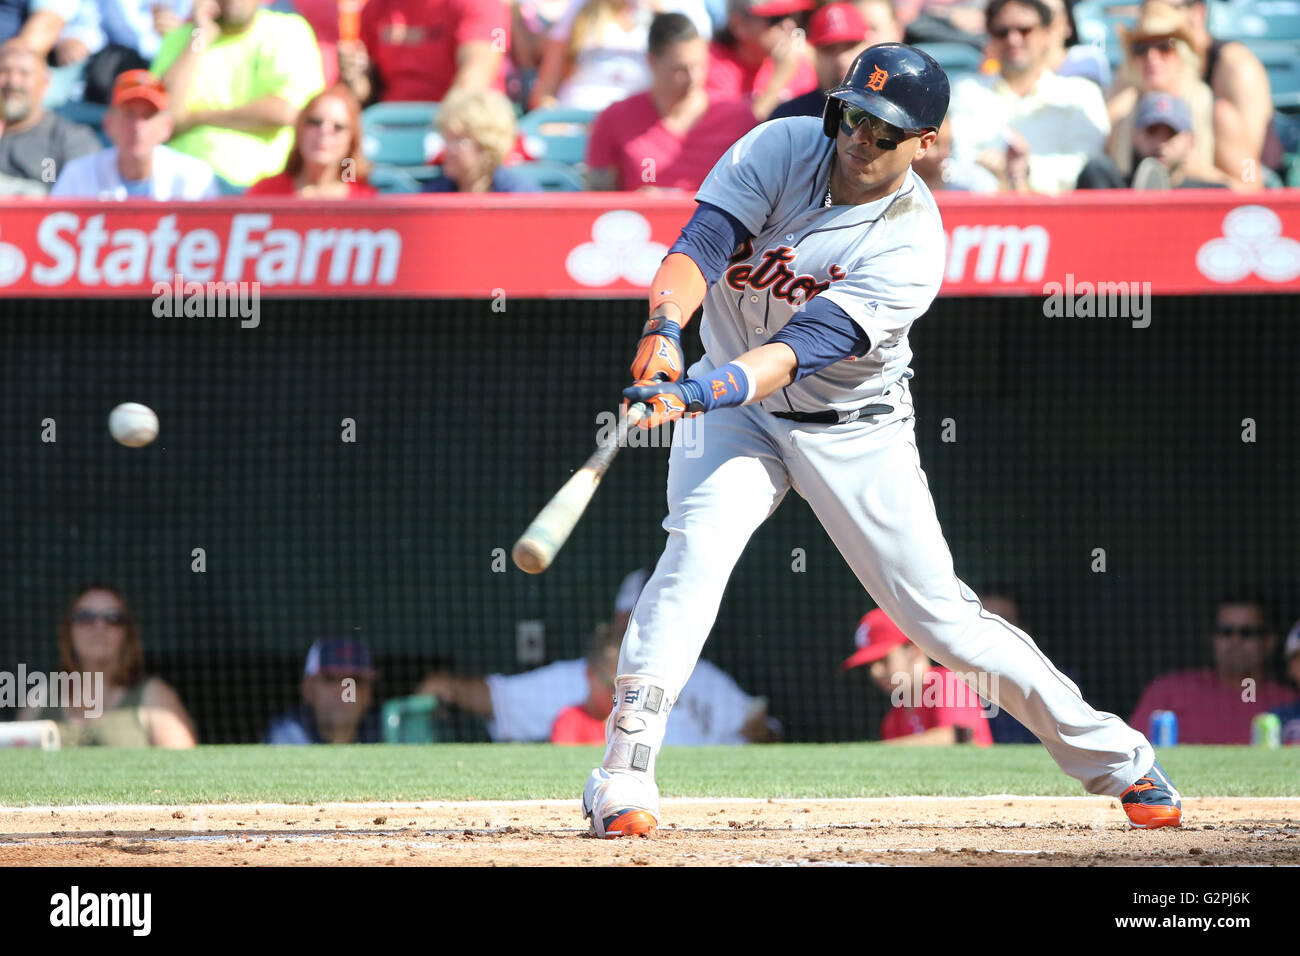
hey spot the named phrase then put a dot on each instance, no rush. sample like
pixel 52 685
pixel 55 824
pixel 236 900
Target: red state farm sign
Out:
pixel 608 245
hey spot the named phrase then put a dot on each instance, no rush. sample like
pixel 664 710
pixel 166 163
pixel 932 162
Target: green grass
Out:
pixel 245 774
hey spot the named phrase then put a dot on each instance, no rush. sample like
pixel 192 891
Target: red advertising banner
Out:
pixel 609 244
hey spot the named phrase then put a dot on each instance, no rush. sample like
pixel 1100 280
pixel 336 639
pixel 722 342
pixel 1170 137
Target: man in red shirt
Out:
pixel 932 705
pixel 585 723
pixel 1215 705
pixel 422 49
pixel 761 55
pixel 672 135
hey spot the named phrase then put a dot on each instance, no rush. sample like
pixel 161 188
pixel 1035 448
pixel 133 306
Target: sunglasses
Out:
pixel 1227 630
pixel 317 122
pixel 1001 33
pixel 887 135
pixel 111 618
pixel 1164 45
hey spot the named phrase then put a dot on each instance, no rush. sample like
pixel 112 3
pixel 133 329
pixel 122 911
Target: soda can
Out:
pixel 1266 730
pixel 1164 728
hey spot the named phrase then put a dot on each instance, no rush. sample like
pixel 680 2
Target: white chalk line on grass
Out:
pixel 566 804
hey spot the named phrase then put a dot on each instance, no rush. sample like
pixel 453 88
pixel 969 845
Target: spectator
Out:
pixel 478 132
pixel 137 164
pixel 711 709
pixel 36 24
pixel 327 18
pixel 1079 59
pixel 943 21
pixel 137 26
pixel 98 634
pixel 1159 58
pixel 34 145
pixel 1164 146
pixel 236 79
pixel 931 705
pixel 595 55
pixel 941 170
pixel 1216 705
pixel 1032 129
pixel 1235 74
pixel 761 55
pixel 337 691
pixel 584 723
pixel 672 135
pixel 326 160
pixel 424 50
pixel 1289 714
pixel 882 20
pixel 531 22
pixel 837 33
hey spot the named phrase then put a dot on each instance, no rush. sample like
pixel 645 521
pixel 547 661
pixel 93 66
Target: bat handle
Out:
pixel 636 413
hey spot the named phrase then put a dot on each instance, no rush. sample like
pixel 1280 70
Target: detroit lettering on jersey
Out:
pixel 774 272
pixel 881 262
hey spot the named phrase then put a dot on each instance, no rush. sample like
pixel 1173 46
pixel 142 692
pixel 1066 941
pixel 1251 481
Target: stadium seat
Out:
pixel 955 58
pixel 398 133
pixel 393 179
pixel 554 177
pixel 558 135
pixel 88 114
pixel 1282 62
pixel 1245 19
pixel 1098 21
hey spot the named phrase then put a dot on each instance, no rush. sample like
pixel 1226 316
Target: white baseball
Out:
pixel 133 425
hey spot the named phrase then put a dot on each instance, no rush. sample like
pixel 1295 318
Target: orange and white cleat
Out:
pixel 620 804
pixel 1153 801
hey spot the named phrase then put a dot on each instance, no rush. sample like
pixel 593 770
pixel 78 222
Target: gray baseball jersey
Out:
pixel 881 262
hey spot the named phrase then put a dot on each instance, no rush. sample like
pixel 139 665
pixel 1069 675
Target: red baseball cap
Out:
pixel 139 85
pixel 779 8
pixel 837 23
pixel 876 636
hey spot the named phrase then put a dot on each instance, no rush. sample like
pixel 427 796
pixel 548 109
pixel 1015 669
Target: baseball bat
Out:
pixel 538 545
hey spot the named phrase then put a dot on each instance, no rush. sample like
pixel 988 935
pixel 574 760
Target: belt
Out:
pixel 833 417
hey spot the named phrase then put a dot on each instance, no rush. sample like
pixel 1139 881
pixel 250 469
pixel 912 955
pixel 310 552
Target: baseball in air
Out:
pixel 133 425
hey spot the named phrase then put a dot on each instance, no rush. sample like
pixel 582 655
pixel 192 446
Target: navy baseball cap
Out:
pixel 1156 108
pixel 338 654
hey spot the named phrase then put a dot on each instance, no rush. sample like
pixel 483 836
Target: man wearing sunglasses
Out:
pixel 1215 705
pixel 813 249
pixel 1033 129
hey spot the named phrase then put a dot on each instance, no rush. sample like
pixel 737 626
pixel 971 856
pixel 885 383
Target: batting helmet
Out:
pixel 899 83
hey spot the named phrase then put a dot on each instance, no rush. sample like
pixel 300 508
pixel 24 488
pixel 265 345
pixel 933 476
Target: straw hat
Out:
pixel 1156 20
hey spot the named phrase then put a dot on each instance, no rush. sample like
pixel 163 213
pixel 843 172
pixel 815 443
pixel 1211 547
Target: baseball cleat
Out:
pixel 1153 801
pixel 618 804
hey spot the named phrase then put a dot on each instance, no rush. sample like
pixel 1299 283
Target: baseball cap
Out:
pixel 338 654
pixel 876 636
pixel 139 85
pixel 1292 645
pixel 775 8
pixel 837 23
pixel 1155 108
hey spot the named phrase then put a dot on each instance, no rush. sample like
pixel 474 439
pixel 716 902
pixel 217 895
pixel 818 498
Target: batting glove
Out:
pixel 659 352
pixel 666 401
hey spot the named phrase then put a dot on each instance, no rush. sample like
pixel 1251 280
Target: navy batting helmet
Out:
pixel 899 83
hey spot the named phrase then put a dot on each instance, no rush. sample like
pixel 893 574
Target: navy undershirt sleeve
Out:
pixel 821 335
pixel 709 239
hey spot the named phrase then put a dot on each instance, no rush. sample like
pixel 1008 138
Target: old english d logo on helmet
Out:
pixel 898 83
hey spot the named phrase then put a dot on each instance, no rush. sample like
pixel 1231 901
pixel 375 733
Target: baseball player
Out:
pixel 813 249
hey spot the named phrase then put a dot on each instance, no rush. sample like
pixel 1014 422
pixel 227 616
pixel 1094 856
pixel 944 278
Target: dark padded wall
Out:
pixel 1071 435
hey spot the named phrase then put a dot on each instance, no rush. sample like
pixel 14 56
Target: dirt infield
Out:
pixel 1007 830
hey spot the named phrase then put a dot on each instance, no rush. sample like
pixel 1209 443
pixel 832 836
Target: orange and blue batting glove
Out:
pixel 659 351
pixel 724 387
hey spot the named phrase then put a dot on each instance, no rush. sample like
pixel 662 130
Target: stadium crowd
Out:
pixel 190 99
pixel 568 701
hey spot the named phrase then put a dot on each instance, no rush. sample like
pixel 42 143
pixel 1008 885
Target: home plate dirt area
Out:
pixel 986 831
